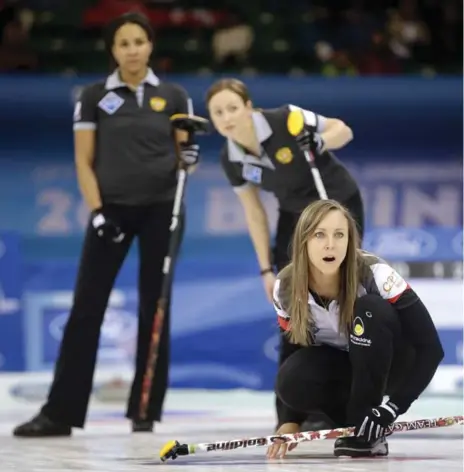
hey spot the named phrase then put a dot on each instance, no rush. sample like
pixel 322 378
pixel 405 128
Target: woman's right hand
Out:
pixel 269 282
pixel 278 450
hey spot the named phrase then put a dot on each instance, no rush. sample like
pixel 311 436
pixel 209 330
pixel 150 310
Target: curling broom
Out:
pixel 173 449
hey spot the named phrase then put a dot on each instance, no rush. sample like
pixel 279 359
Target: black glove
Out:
pixel 309 140
pixel 189 153
pixel 105 227
pixel 376 421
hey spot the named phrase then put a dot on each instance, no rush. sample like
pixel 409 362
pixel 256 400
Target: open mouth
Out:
pixel 328 259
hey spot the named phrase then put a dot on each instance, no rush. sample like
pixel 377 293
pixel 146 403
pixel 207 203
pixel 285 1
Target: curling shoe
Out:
pixel 357 447
pixel 142 426
pixel 40 427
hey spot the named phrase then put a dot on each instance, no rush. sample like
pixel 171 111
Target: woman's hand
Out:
pixel 278 450
pixel 269 280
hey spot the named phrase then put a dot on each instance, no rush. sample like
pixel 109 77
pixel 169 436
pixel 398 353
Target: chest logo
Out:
pixel 252 173
pixel 358 326
pixel 157 103
pixel 284 155
pixel 111 103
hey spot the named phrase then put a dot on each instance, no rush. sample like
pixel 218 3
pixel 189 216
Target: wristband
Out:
pixel 266 271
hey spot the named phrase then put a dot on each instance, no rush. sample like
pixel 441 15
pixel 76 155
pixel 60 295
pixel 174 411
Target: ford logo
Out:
pixel 401 243
pixel 118 326
pixel 271 348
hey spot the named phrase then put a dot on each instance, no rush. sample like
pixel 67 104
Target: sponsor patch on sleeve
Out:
pixel 389 282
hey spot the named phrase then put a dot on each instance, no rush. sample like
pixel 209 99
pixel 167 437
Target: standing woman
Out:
pixel 261 152
pixel 127 158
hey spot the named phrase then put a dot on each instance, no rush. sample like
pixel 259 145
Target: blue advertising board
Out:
pixel 11 322
pixel 403 116
pixel 415 244
pixel 224 332
pixel 42 203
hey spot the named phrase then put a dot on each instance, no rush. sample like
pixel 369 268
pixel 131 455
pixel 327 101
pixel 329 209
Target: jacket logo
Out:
pixel 358 326
pixel 157 103
pixel 111 103
pixel 284 155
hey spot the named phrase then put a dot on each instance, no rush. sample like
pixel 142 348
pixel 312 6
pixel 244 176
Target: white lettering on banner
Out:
pixel 58 204
pixel 420 209
pixel 384 206
pixel 225 215
pixel 63 213
pixel 409 206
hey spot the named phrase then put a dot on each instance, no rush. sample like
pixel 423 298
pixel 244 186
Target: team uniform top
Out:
pixel 135 152
pixel 282 167
pixel 376 277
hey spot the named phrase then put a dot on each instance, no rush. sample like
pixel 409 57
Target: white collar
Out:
pixel 114 81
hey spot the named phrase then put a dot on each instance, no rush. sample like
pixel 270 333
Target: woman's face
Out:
pixel 131 48
pixel 328 245
pixel 229 113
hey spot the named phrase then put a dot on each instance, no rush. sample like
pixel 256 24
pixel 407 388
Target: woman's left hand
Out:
pixel 189 154
pixel 279 449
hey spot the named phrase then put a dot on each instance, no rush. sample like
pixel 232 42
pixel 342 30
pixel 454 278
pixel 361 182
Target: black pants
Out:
pixel 99 265
pixel 344 385
pixel 285 227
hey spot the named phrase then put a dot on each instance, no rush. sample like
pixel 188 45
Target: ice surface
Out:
pixel 107 445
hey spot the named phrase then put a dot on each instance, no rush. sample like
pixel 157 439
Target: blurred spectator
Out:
pixel 379 59
pixel 452 28
pixel 409 34
pixel 352 29
pixel 15 50
pixel 340 64
pixel 369 37
pixel 8 13
pixel 233 42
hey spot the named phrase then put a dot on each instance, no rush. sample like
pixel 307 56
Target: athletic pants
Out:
pixel 285 227
pixel 100 263
pixel 345 385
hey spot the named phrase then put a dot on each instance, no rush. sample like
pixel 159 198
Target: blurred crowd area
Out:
pixel 328 37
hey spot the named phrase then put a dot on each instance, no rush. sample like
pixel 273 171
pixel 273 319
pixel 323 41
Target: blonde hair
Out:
pixel 295 276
